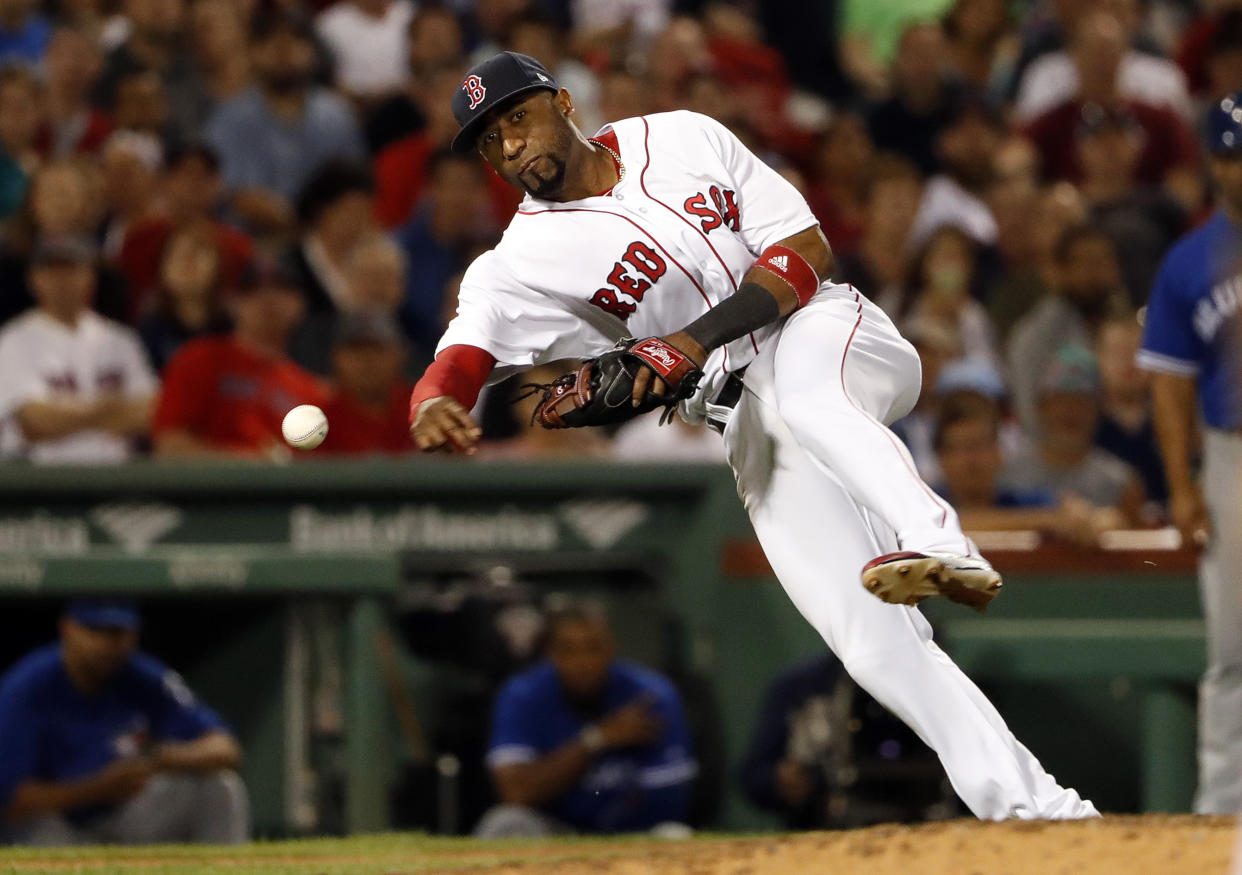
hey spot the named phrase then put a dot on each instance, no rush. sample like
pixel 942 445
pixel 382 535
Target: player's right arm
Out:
pixel 440 404
pixel 1172 350
pixel 1174 419
pixel 114 783
pixel 544 778
pixel 502 325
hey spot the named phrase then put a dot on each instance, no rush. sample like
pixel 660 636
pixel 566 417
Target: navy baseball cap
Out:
pixel 1225 126
pixel 491 83
pixel 104 614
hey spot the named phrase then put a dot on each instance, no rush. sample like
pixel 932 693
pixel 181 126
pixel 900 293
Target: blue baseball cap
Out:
pixel 491 83
pixel 104 614
pixel 1224 125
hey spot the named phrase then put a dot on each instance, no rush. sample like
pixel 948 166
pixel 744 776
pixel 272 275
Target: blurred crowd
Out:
pixel 214 210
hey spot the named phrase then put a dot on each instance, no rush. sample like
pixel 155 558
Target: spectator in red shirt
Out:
pixel 838 196
pixel 369 411
pixel 753 72
pixel 402 168
pixel 226 396
pixel 191 192
pixel 1098 48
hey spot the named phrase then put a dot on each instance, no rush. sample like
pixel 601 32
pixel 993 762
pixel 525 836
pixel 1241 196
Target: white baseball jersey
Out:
pixel 672 239
pixel 827 485
pixel 42 359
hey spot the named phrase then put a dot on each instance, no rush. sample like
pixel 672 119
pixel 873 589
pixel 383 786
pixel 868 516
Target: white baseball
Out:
pixel 305 427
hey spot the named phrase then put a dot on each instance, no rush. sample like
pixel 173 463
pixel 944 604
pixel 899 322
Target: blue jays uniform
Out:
pixel 50 731
pixel 1193 322
pixel 622 790
pixel 1194 329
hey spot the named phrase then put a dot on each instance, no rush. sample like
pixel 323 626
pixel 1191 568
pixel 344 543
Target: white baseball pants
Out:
pixel 1220 692
pixel 211 809
pixel 828 488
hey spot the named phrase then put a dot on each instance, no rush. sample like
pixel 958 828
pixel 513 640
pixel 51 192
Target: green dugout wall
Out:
pixel 1091 656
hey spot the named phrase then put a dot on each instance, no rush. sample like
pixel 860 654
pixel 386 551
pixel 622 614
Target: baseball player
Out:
pixel 666 228
pixel 1193 342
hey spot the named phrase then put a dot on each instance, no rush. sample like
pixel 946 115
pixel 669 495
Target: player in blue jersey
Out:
pixel 102 744
pixel 585 742
pixel 1193 343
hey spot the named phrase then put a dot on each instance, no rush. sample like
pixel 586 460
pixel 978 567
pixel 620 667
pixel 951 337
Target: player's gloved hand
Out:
pixel 647 379
pixel 1189 513
pixel 443 424
pixel 604 390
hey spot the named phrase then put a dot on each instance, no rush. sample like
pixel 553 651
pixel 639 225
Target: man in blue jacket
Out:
pixel 585 742
pixel 100 743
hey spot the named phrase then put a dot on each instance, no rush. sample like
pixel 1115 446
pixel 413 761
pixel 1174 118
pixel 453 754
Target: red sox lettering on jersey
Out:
pixel 726 211
pixel 668 242
pixel 651 264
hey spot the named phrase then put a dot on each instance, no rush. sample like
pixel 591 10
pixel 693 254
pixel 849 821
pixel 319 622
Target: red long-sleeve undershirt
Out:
pixel 459 372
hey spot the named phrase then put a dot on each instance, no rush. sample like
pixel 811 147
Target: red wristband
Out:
pixel 792 268
pixel 459 372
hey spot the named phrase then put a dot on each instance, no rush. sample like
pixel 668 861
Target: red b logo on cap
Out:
pixel 473 86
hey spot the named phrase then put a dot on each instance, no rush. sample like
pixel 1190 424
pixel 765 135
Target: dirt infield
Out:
pixel 1117 845
pixel 1159 845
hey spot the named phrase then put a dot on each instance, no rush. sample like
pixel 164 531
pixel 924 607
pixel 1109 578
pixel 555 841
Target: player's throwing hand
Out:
pixel 443 424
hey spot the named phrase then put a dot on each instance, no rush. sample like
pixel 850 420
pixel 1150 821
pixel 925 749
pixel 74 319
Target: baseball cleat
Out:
pixel 908 578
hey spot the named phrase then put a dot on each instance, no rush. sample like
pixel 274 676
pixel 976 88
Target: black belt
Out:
pixel 728 396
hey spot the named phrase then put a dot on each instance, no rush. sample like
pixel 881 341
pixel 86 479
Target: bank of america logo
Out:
pixel 136 526
pixel 603 524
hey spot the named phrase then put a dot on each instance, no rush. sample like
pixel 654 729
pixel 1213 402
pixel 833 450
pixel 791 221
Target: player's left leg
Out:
pixel 842 373
pixel 1220 691
pixel 815 537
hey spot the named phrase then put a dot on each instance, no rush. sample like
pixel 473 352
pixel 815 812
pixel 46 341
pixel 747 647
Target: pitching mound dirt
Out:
pixel 1117 845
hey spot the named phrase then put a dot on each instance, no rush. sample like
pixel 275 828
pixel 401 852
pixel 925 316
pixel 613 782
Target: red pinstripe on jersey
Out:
pixel 642 181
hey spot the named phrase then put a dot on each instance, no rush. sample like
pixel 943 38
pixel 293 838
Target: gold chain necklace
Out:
pixel 615 157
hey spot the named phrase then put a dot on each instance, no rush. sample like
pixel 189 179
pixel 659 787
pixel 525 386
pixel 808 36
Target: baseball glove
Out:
pixel 600 391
